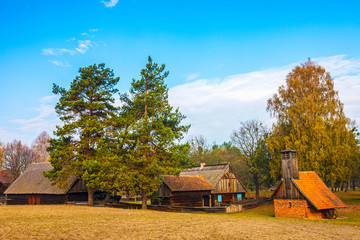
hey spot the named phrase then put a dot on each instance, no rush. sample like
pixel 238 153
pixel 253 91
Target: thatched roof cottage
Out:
pixel 33 188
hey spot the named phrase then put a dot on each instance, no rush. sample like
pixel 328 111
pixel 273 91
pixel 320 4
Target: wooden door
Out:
pixel 206 201
pixel 34 200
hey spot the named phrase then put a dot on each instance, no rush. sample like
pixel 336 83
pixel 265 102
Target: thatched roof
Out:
pixel 211 173
pixel 33 182
pixel 186 183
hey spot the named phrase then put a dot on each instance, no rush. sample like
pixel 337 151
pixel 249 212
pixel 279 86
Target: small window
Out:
pixel 239 197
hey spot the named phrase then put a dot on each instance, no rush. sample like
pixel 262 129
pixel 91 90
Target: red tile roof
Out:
pixel 316 192
pixel 186 183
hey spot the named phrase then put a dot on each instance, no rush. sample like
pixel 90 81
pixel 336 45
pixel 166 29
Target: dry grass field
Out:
pixel 81 222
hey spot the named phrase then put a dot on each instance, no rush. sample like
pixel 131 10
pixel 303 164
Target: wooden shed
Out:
pixel 33 188
pixel 4 182
pixel 227 187
pixel 191 191
pixel 303 194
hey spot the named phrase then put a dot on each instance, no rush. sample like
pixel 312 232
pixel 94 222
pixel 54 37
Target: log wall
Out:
pixel 24 199
pixel 193 199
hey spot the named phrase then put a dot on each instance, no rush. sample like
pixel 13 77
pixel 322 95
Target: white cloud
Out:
pixel 59 63
pixel 346 74
pixel 83 46
pixel 83 34
pixel 112 3
pixel 57 51
pixel 45 119
pixel 93 30
pixel 48 99
pixel 215 107
pixel 192 77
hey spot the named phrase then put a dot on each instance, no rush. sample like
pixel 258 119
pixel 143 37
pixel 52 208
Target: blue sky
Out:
pixel 225 58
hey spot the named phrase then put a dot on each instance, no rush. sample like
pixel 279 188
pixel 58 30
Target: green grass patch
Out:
pixel 148 202
pixel 349 197
pixel 265 211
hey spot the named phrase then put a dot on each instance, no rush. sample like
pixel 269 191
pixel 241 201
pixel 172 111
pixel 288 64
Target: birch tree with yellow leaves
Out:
pixel 310 118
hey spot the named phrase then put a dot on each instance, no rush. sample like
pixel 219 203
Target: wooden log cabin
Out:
pixel 33 188
pixel 227 187
pixel 303 194
pixel 190 191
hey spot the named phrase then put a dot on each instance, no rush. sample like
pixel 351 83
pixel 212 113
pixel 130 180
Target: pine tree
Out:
pixel 85 110
pixel 310 119
pixel 153 132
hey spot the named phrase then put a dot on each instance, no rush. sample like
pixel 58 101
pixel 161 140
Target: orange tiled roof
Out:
pixel 316 192
pixel 186 183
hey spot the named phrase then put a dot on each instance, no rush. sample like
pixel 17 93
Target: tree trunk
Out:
pixel 257 186
pixel 90 197
pixel 353 185
pixel 107 198
pixel 143 199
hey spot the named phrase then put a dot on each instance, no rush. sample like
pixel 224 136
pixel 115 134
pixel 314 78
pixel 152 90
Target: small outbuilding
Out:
pixel 227 188
pixel 303 194
pixel 190 191
pixel 33 188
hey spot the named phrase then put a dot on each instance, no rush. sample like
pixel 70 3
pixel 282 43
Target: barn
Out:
pixel 303 194
pixel 227 187
pixel 191 191
pixel 33 188
pixel 4 182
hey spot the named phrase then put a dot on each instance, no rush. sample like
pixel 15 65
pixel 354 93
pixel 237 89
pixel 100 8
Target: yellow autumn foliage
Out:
pixel 311 120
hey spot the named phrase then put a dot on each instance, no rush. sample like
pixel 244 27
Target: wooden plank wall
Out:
pixel 289 171
pixel 227 198
pixel 164 191
pixel 194 199
pixel 228 185
pixel 77 196
pixel 281 193
pixel 79 186
pixel 24 199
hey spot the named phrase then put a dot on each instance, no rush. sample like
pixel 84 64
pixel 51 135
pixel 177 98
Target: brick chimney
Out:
pixel 290 170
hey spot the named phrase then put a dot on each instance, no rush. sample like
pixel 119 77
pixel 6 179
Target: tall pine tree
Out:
pixel 153 132
pixel 85 110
